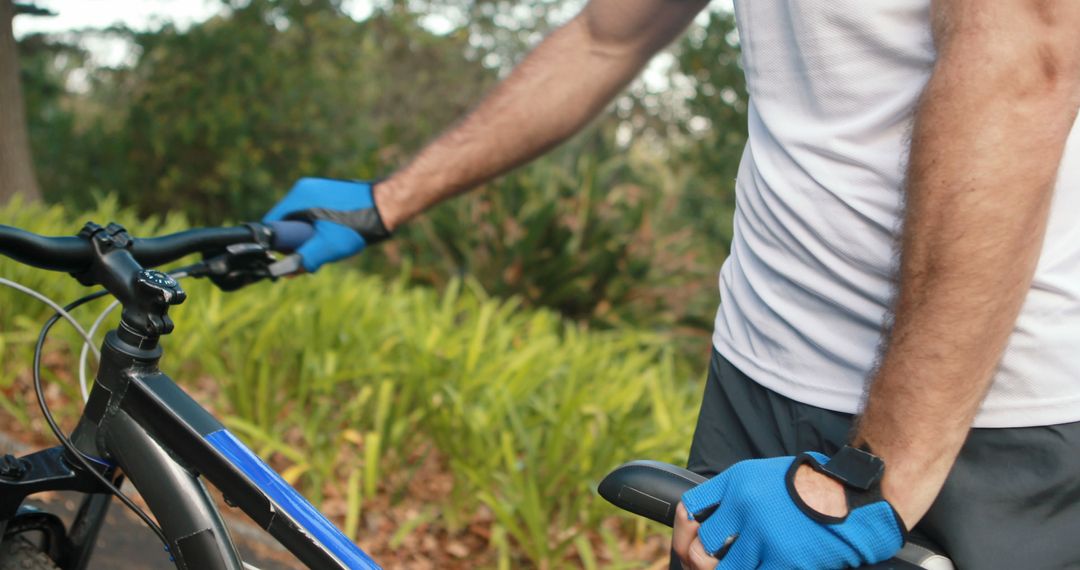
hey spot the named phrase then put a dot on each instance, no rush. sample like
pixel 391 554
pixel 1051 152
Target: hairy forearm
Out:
pixel 986 148
pixel 553 93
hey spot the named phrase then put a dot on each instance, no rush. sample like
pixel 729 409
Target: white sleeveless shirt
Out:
pixel 833 86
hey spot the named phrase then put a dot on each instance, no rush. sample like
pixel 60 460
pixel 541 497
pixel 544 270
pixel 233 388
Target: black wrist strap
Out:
pixel 855 468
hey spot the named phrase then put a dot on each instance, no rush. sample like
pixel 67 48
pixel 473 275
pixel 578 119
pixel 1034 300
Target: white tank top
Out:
pixel 833 86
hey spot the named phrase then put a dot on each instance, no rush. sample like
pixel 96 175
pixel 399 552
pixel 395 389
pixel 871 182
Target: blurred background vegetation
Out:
pixel 617 234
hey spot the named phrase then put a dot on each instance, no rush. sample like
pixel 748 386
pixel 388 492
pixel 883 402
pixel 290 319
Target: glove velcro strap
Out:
pixel 856 498
pixel 367 222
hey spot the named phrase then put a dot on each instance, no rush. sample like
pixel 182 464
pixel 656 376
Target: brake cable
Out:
pixel 79 455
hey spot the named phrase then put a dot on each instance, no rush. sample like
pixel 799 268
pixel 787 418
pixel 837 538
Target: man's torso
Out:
pixel 833 87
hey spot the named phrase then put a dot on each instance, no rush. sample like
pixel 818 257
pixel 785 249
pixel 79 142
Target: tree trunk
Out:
pixel 16 164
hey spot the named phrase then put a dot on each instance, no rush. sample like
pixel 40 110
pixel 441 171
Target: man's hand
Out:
pixel 687 544
pixel 343 213
pixel 750 517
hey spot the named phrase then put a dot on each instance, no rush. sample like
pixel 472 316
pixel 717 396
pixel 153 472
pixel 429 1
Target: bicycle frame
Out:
pixel 136 419
pixel 163 438
pixel 139 420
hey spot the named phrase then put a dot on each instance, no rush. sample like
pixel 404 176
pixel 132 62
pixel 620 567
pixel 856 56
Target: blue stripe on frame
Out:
pixel 291 502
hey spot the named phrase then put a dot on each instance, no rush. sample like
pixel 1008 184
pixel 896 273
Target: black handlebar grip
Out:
pixel 648 488
pixel 289 235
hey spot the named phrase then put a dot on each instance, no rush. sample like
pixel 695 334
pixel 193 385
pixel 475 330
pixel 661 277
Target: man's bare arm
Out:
pixel 988 139
pixel 559 87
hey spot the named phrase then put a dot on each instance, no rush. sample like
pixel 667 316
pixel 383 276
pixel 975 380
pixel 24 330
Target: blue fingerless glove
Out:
pixel 755 502
pixel 343 213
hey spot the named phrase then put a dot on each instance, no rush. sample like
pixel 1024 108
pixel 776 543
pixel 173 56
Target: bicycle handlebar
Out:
pixel 290 235
pixel 157 251
pixel 53 253
pixel 75 254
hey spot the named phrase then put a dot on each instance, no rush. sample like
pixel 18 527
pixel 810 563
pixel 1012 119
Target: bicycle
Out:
pixel 137 423
pixel 652 489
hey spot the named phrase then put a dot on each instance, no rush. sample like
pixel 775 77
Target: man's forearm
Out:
pixel 565 82
pixel 556 90
pixel 987 144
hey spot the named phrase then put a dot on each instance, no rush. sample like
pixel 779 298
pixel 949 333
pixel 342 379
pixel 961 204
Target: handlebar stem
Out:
pixel 145 294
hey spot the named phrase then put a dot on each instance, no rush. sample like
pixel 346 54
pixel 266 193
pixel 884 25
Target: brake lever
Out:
pixel 237 266
pixel 289 265
pixel 242 264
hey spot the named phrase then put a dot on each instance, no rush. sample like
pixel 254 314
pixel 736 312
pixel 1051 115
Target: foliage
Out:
pixel 709 56
pixel 607 232
pixel 304 90
pixel 31 9
pixel 65 157
pixel 345 380
pixel 580 231
pixel 501 31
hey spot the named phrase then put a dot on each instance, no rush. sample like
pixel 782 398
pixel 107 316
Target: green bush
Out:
pixel 587 231
pixel 345 380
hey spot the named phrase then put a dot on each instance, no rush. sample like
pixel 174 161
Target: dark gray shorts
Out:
pixel 1012 501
